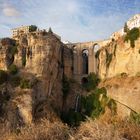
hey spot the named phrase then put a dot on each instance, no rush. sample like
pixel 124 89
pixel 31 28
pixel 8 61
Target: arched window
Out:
pixel 96 48
pixel 85 61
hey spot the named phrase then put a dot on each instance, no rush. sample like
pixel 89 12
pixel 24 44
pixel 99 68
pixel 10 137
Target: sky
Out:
pixel 73 20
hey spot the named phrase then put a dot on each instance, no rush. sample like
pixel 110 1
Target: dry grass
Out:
pixel 97 130
pixel 89 130
pixel 45 130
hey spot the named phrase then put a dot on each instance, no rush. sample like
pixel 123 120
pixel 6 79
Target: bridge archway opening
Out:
pixel 84 80
pixel 85 54
pixel 96 47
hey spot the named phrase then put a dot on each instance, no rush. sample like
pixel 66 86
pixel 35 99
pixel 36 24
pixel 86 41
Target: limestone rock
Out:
pixel 119 57
pixel 126 92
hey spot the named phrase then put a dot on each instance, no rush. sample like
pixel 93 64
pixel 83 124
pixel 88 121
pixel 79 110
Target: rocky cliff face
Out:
pixel 119 69
pixel 126 92
pixel 118 57
pixel 40 60
pixel 7 51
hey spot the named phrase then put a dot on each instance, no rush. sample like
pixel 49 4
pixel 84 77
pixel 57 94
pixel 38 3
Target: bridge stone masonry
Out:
pixel 84 60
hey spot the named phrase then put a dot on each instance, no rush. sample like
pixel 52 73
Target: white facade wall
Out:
pixel 131 23
pixel 134 22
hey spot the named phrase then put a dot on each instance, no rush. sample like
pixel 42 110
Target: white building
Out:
pixel 131 23
pixel 19 30
pixel 134 21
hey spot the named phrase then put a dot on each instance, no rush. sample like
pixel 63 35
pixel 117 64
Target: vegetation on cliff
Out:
pixel 32 28
pixel 135 117
pixel 93 105
pixel 92 82
pixel 3 76
pixel 132 35
pixel 13 69
pixel 126 29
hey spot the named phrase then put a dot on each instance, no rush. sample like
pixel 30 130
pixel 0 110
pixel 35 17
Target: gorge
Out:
pixel 41 77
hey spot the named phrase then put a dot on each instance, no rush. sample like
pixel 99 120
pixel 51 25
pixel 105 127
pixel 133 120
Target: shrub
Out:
pixel 13 69
pixel 94 104
pixel 15 81
pixel 132 35
pixel 92 82
pixel 99 130
pixel 32 28
pixel 72 118
pixel 112 106
pixel 50 30
pixel 135 117
pixel 123 74
pixel 42 130
pixel 126 29
pixel 24 83
pixel 3 76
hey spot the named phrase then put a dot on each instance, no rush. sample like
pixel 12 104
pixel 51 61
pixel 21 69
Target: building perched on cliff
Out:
pixel 131 23
pixel 20 30
pixel 134 21
pixel 79 58
pixel 16 32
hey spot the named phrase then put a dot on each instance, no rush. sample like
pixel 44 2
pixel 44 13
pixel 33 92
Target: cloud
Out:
pixel 73 20
pixel 10 11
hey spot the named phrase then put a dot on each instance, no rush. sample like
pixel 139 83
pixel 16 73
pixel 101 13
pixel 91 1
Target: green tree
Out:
pixel 13 69
pixel 132 35
pixel 126 29
pixel 32 28
pixel 92 82
pixel 50 30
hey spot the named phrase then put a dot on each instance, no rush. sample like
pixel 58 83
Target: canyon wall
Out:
pixel 119 69
pixel 118 57
pixel 42 59
pixel 126 92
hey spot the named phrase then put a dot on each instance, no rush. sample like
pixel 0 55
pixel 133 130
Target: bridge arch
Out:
pixel 85 59
pixel 96 47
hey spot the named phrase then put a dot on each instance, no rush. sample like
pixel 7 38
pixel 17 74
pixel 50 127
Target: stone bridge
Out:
pixel 84 60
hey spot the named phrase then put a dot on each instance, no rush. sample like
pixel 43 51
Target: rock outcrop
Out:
pixel 118 57
pixel 7 51
pixel 126 92
pixel 40 59
pixel 119 69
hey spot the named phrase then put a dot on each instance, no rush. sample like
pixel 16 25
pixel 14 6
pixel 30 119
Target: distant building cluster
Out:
pixel 131 23
pixel 134 22
pixel 20 30
pixel 26 29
